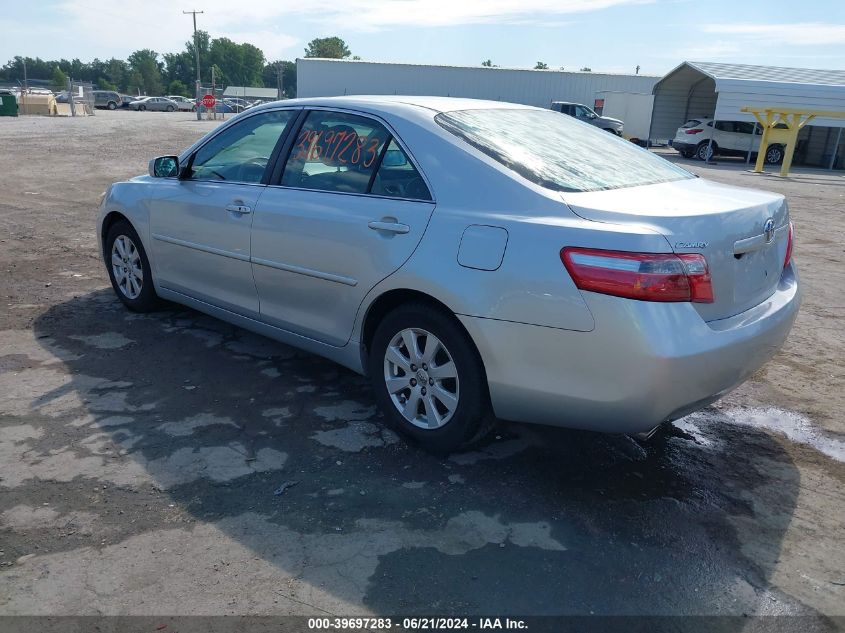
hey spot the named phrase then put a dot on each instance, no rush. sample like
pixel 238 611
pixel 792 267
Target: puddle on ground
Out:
pixel 794 426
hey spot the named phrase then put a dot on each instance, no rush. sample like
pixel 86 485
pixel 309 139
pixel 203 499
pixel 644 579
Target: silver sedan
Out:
pixel 475 259
pixel 162 104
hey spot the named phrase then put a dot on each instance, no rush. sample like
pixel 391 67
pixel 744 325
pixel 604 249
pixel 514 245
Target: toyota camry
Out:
pixel 477 260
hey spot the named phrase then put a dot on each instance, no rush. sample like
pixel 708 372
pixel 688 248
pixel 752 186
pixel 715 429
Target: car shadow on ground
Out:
pixel 220 445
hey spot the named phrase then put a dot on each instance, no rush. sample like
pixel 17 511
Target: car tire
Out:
pixel 774 154
pixel 170 108
pixel 462 414
pixel 141 108
pixel 112 105
pixel 705 152
pixel 123 250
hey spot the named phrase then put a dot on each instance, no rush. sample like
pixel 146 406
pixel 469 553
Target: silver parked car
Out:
pixel 162 104
pixel 476 259
pixel 184 104
pixel 588 115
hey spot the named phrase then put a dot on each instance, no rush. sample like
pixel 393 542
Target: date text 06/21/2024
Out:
pixel 414 624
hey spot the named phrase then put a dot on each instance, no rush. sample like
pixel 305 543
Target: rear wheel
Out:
pixel 112 105
pixel 129 268
pixel 704 151
pixel 142 108
pixel 428 379
pixel 774 154
pixel 170 108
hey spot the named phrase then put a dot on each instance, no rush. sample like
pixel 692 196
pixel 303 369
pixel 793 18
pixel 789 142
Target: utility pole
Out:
pixel 279 85
pixel 25 87
pixel 197 53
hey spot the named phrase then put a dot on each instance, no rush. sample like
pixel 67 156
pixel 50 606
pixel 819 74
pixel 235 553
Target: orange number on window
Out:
pixel 371 153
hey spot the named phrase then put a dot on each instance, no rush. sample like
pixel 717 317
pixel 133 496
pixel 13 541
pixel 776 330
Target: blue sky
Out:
pixel 609 35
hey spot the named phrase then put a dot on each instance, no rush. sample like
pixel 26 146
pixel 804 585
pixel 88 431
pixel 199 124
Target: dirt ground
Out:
pixel 141 456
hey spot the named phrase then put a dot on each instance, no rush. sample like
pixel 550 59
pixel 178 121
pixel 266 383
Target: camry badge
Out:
pixel 690 244
pixel 769 230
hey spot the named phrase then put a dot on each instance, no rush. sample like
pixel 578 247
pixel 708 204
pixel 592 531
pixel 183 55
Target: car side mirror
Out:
pixel 164 167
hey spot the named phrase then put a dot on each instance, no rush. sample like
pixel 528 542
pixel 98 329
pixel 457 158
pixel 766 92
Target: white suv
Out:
pixel 730 138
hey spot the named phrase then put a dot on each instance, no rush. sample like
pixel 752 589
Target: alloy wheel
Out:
pixel 421 378
pixel 126 267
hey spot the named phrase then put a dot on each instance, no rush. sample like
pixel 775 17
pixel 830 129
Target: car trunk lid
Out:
pixel 728 225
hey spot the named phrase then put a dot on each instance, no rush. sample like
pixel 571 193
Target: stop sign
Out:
pixel 208 101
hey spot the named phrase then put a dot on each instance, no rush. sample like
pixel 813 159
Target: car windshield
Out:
pixel 559 152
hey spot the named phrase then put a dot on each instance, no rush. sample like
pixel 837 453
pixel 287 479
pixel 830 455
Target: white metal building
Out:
pixel 719 91
pixel 332 77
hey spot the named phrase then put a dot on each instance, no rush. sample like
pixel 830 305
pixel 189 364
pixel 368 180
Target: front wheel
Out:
pixel 774 154
pixel 428 379
pixel 129 268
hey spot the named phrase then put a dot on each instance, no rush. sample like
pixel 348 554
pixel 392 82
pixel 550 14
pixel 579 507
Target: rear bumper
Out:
pixel 643 364
pixel 682 147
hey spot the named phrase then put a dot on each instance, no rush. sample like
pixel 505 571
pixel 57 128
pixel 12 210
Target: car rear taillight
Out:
pixel 643 276
pixel 789 240
pixel 694 130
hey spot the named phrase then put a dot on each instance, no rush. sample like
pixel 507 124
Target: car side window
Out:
pixel 725 126
pixel 334 151
pixel 398 178
pixel 241 153
pixel 743 127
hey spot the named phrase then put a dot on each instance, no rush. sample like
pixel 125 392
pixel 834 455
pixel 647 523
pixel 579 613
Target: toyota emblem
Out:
pixel 769 230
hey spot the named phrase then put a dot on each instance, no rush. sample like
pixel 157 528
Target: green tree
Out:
pixel 328 47
pixel 59 80
pixel 180 67
pixel 488 63
pixel 270 77
pixel 145 63
pixel 586 69
pixel 105 84
pixel 177 87
pixel 541 66
pixel 117 72
pixel 239 64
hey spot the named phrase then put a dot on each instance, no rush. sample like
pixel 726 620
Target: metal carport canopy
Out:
pixel 735 86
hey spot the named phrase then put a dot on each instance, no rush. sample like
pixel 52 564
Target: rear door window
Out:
pixel 335 151
pixel 744 127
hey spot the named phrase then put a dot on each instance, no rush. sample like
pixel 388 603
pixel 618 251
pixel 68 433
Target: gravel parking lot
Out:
pixel 170 464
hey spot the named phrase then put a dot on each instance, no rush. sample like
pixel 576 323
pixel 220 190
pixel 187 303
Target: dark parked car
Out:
pixel 107 99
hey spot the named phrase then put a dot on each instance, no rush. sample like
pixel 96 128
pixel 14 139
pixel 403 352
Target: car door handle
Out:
pixel 390 227
pixel 238 208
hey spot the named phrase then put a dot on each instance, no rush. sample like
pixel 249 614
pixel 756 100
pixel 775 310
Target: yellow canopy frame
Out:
pixel 794 119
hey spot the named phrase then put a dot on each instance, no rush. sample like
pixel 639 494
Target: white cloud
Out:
pixel 160 24
pixel 375 14
pixel 797 34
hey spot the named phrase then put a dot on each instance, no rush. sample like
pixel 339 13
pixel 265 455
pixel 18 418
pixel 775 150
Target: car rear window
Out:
pixel 690 124
pixel 558 152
